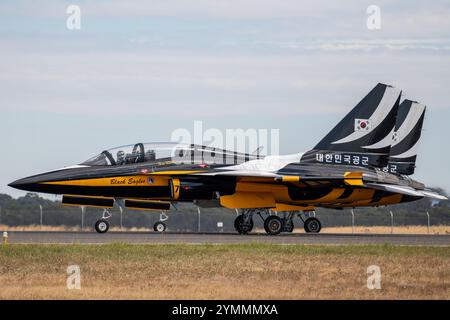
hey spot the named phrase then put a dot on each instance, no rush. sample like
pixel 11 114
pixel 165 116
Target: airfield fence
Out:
pixel 211 219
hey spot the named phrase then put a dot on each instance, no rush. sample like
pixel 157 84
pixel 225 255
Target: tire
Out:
pixel 159 226
pixel 312 225
pixel 273 225
pixel 289 228
pixel 240 227
pixel 101 226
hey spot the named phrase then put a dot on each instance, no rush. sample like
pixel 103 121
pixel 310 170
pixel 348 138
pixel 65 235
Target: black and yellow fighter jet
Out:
pixel 364 161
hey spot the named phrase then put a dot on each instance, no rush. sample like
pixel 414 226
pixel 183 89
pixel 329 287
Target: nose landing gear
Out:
pixel 102 225
pixel 160 226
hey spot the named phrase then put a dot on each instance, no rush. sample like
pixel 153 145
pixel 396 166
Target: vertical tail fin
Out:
pixel 363 137
pixel 408 128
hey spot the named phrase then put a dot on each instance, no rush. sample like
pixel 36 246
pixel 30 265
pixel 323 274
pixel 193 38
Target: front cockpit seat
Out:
pixel 150 155
pixel 120 158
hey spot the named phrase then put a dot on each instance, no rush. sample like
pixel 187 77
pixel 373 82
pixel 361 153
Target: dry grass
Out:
pixel 251 271
pixel 358 229
pixel 396 230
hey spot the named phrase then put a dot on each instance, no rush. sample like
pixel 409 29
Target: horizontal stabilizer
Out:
pixel 433 195
pixel 395 189
pixel 406 190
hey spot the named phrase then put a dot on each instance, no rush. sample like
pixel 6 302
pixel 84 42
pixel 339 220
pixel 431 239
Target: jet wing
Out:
pixel 406 190
pixel 395 188
pixel 352 178
pixel 433 195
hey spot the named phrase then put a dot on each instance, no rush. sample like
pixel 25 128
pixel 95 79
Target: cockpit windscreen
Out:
pixel 167 152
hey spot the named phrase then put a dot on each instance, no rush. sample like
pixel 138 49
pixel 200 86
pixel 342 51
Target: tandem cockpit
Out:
pixel 167 152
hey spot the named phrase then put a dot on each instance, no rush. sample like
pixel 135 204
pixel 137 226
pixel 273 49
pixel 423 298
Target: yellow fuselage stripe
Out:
pixel 114 181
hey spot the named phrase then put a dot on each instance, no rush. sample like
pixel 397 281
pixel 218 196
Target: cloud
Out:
pixel 179 83
pixel 363 44
pixel 218 57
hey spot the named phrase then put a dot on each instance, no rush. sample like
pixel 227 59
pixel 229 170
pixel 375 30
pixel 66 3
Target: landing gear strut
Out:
pixel 288 221
pixel 102 225
pixel 160 226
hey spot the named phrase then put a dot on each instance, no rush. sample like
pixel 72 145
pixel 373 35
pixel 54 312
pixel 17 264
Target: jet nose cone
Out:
pixel 18 184
pixel 27 184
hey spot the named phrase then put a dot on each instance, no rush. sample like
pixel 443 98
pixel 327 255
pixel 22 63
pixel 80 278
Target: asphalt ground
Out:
pixel 42 237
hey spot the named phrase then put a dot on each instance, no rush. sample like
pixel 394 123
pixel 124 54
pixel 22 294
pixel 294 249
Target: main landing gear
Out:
pixel 102 225
pixel 275 224
pixel 244 222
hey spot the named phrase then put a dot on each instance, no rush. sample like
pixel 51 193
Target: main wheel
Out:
pixel 273 225
pixel 312 225
pixel 101 226
pixel 159 226
pixel 241 227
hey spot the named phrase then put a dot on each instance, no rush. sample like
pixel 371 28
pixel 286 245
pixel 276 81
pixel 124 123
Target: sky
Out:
pixel 138 70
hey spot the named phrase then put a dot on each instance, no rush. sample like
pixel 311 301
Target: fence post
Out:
pixel 428 222
pixel 82 218
pixel 353 221
pixel 121 219
pixel 199 213
pixel 40 220
pixel 392 221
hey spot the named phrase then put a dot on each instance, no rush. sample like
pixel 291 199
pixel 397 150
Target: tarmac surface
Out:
pixel 223 238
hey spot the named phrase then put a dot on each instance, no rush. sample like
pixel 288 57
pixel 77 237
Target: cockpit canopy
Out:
pixel 167 152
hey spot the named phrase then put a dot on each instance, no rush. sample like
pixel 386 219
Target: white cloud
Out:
pixel 204 83
pixel 440 44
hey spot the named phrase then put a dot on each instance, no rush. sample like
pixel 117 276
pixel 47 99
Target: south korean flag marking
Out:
pixel 362 125
pixel 395 136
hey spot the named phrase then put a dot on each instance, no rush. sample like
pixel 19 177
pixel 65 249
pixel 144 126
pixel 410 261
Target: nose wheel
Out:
pixel 102 225
pixel 159 226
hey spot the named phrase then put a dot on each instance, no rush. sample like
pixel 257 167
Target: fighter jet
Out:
pixel 364 161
